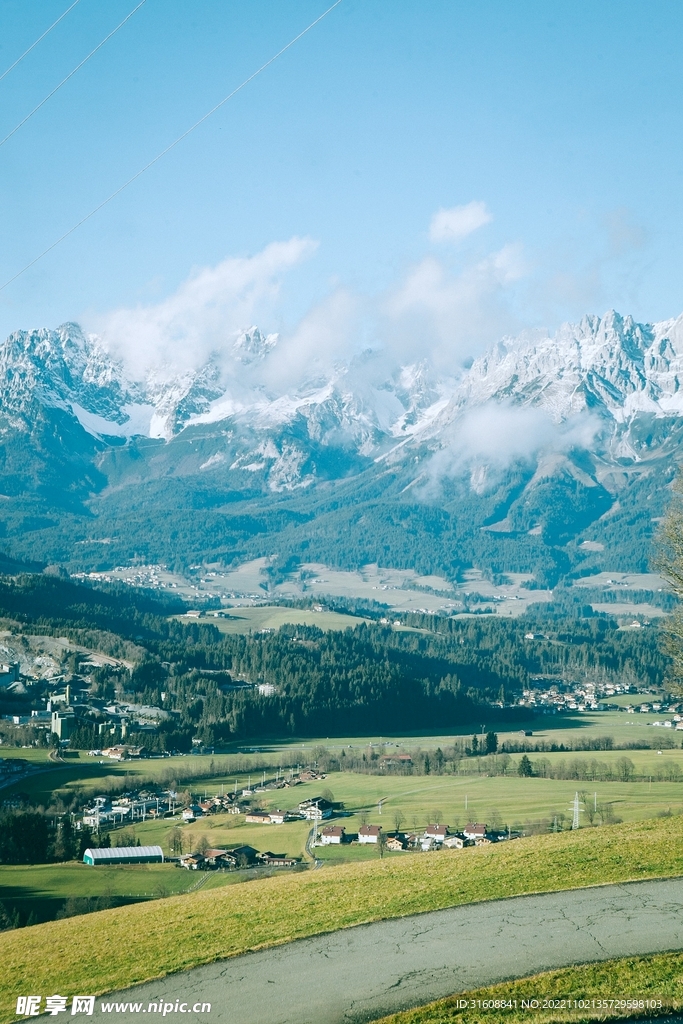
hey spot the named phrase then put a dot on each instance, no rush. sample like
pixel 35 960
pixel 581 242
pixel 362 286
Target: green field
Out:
pixel 409 801
pixel 546 729
pixel 412 800
pixel 184 931
pixel 650 978
pixel 42 890
pixel 36 755
pixel 227 830
pixel 272 617
pixel 530 804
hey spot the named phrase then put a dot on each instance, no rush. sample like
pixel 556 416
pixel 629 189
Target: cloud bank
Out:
pixel 206 313
pixel 485 440
pixel 434 314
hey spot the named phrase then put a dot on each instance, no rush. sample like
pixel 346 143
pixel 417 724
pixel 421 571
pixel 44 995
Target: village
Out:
pixel 550 696
pixel 106 815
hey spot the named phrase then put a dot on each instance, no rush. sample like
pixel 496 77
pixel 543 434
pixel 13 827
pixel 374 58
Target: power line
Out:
pixel 33 45
pixel 169 147
pixel 72 73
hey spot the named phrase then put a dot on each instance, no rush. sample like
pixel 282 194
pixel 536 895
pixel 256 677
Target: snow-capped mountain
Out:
pixel 68 370
pixel 75 426
pixel 611 363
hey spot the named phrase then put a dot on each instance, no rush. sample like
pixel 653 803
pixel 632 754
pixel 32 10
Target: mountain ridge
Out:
pixel 553 434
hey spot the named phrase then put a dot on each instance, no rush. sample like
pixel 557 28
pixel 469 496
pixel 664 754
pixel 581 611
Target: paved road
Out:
pixel 360 973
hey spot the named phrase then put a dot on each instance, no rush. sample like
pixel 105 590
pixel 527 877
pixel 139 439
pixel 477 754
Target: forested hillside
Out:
pixel 438 673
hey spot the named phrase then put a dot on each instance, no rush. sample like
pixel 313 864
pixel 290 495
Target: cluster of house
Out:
pixel 676 720
pixel 434 837
pixel 139 806
pixel 315 809
pixel 119 752
pixel 237 857
pixel 554 697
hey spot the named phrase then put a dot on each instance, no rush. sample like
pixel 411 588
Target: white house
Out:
pixel 474 830
pixel 436 832
pixel 316 810
pixel 369 833
pixel 454 842
pixel 279 817
pixel 333 835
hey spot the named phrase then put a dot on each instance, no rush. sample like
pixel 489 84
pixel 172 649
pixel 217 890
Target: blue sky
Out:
pixel 562 120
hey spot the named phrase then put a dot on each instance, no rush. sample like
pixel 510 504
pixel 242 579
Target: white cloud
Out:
pixel 458 222
pixel 451 317
pixel 324 337
pixel 205 313
pixel 487 439
pixel 432 315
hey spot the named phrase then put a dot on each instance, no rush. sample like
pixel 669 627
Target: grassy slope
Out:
pixel 50 881
pixel 94 953
pixel 654 978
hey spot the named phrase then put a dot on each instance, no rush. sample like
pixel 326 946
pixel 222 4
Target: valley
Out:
pixel 251 584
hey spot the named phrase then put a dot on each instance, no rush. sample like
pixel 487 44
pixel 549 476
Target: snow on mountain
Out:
pixel 60 368
pixel 252 346
pixel 610 366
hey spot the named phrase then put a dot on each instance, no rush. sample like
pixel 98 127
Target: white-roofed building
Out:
pixel 125 855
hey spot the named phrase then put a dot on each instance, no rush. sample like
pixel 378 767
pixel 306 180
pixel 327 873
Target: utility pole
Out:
pixel 315 823
pixel 576 808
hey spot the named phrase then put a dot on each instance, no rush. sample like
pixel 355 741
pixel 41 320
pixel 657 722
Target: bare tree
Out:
pixel 175 842
pixel 589 805
pixel 398 819
pixel 495 819
pixel 202 845
pixel 669 562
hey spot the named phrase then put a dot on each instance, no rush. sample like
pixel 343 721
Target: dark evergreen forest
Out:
pixel 440 673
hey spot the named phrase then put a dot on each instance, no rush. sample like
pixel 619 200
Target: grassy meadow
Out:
pixel 651 978
pixel 184 931
pixel 253 619
pixel 411 801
